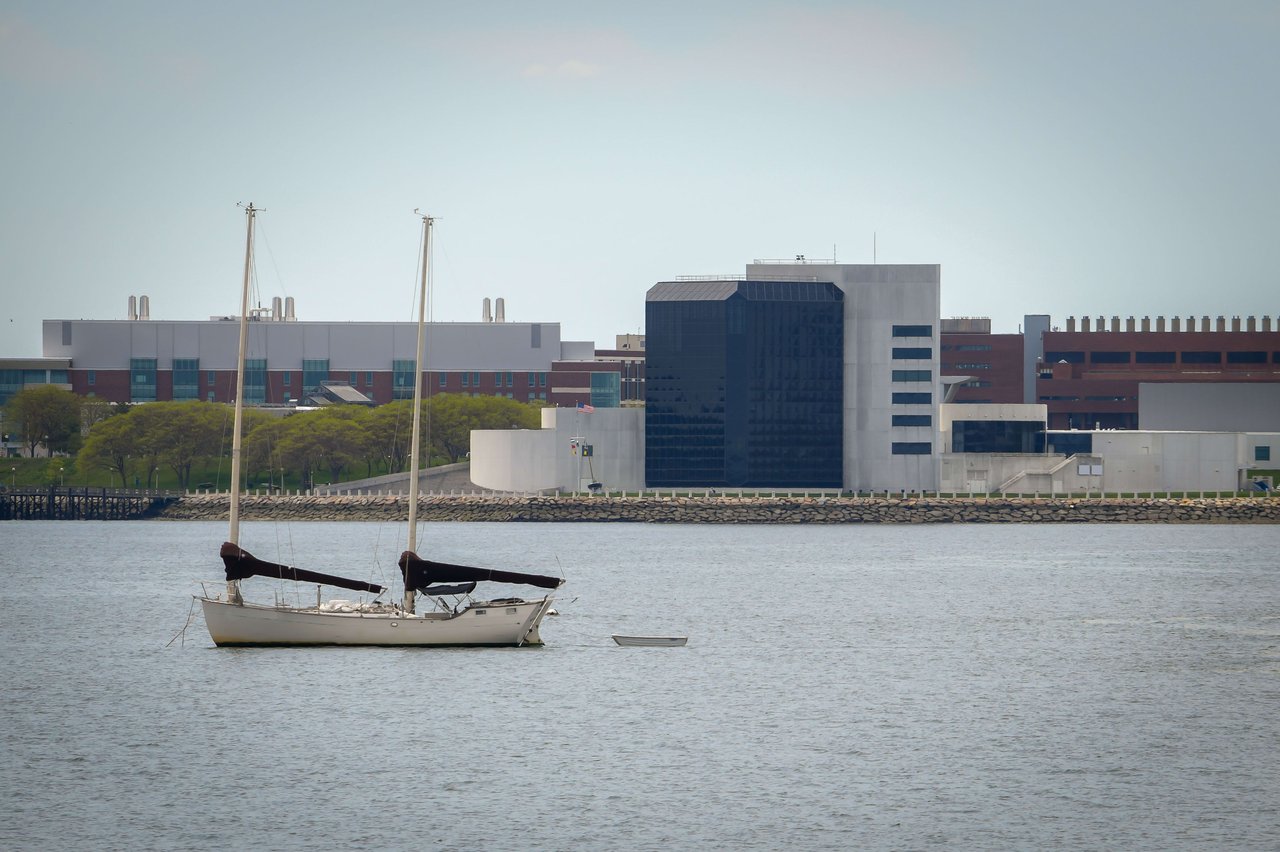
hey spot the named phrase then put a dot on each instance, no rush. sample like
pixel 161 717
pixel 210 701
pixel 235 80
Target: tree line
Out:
pixel 329 444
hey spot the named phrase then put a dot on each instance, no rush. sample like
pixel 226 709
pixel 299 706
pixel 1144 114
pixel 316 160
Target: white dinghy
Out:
pixel 651 641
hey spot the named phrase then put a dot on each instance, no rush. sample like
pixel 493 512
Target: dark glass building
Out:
pixel 744 384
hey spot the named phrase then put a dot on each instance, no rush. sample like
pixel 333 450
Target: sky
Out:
pixel 1087 158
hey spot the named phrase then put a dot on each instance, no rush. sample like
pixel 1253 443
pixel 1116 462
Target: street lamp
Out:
pixel 62 479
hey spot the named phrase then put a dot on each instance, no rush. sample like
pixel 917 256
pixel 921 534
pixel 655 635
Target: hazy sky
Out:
pixel 1062 158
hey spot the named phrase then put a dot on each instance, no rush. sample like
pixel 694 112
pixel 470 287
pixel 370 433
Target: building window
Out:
pixel 402 373
pixel 912 398
pixel 912 448
pixel 1262 453
pixel 913 375
pixel 542 383
pixel 368 377
pixel 995 436
pixel 287 378
pixel 905 353
pixel 606 390
pixel 352 378
pixel 142 379
pixel 314 371
pixel 1155 357
pixel 1109 357
pixel 211 378
pixel 92 377
pixel 971 347
pixel 255 380
pixel 1246 357
pixel 444 380
pixel 475 380
pixel 913 420
pixel 186 378
pixel 1069 357
pixel 913 331
pixel 1202 357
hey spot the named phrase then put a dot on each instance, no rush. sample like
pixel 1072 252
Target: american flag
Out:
pixel 584 407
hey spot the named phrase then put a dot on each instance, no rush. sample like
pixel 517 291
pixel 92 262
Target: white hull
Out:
pixel 651 641
pixel 480 624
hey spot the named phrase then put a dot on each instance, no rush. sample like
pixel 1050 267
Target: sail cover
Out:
pixel 241 565
pixel 420 573
pixel 456 589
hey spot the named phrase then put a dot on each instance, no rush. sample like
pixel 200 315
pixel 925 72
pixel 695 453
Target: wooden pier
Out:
pixel 82 503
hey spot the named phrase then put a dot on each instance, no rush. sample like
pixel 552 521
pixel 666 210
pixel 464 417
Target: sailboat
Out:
pixel 455 617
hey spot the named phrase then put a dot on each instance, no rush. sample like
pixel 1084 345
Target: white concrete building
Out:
pixel 572 450
pixel 891 386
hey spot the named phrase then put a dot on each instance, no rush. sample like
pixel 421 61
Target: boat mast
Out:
pixel 416 440
pixel 233 535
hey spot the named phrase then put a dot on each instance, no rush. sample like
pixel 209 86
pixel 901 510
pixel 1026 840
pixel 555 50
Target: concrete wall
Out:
pixel 1122 461
pixel 1214 407
pixel 1033 328
pixel 109 344
pixel 527 460
pixel 1168 461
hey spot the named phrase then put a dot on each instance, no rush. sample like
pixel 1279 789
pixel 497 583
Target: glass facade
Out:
pixel 1070 443
pixel 402 379
pixel 314 371
pixel 606 390
pixel 186 378
pixel 996 436
pixel 142 379
pixel 744 384
pixel 255 381
pixel 10 383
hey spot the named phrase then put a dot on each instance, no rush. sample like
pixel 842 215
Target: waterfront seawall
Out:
pixel 735 510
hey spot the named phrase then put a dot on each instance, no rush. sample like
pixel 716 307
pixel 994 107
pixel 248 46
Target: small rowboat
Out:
pixel 651 641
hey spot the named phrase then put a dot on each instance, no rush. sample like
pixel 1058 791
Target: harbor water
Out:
pixel 843 687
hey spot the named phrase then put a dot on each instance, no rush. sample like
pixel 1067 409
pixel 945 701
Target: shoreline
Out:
pixel 732 510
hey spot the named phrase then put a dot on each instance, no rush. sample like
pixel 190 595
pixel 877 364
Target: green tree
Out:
pixel 109 445
pixel 387 428
pixel 94 410
pixel 47 415
pixel 327 440
pixel 261 450
pixel 185 432
pixel 453 416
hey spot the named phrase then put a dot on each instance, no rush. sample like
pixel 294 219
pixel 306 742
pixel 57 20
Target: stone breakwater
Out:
pixel 736 510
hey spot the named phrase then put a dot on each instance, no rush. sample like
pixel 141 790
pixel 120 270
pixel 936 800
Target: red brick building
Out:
pixel 1089 377
pixel 994 361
